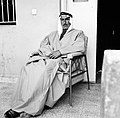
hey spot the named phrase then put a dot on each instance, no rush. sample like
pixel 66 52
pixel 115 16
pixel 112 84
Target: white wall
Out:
pixel 85 18
pixel 18 41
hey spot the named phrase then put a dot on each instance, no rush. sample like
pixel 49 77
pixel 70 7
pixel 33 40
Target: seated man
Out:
pixel 39 83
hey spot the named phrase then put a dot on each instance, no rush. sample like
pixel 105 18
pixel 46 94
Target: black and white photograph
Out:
pixel 59 59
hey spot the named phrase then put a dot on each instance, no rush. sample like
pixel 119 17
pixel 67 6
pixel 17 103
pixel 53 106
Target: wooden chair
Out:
pixel 77 65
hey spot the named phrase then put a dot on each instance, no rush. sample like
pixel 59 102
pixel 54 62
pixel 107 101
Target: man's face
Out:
pixel 65 21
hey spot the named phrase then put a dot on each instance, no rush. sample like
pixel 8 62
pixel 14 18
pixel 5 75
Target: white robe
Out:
pixel 39 83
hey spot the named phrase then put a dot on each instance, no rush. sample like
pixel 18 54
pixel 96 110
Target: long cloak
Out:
pixel 40 83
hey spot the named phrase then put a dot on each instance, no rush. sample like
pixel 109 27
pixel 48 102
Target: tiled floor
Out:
pixel 86 104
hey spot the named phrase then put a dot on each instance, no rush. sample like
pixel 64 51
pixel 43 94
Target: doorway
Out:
pixel 108 31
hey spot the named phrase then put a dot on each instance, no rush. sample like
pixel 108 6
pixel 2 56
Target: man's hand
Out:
pixel 54 54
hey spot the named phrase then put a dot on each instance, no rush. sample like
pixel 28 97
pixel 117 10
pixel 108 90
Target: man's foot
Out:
pixel 11 114
pixel 25 115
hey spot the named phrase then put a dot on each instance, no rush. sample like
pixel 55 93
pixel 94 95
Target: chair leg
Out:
pixel 70 86
pixel 87 72
pixel 70 97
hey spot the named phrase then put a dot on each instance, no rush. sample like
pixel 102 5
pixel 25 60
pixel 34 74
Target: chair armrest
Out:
pixel 71 55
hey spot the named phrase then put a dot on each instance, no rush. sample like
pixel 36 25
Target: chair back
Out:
pixel 85 44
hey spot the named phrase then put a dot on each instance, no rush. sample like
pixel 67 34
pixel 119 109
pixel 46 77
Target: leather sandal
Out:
pixel 26 115
pixel 11 114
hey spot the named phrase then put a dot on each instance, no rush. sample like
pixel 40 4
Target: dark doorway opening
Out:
pixel 108 31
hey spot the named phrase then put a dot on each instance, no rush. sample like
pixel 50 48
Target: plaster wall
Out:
pixel 18 41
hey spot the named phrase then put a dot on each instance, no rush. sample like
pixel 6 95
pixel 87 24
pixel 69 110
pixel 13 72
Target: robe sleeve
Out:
pixel 45 47
pixel 76 45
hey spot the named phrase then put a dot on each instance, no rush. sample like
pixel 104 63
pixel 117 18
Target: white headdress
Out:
pixel 60 27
